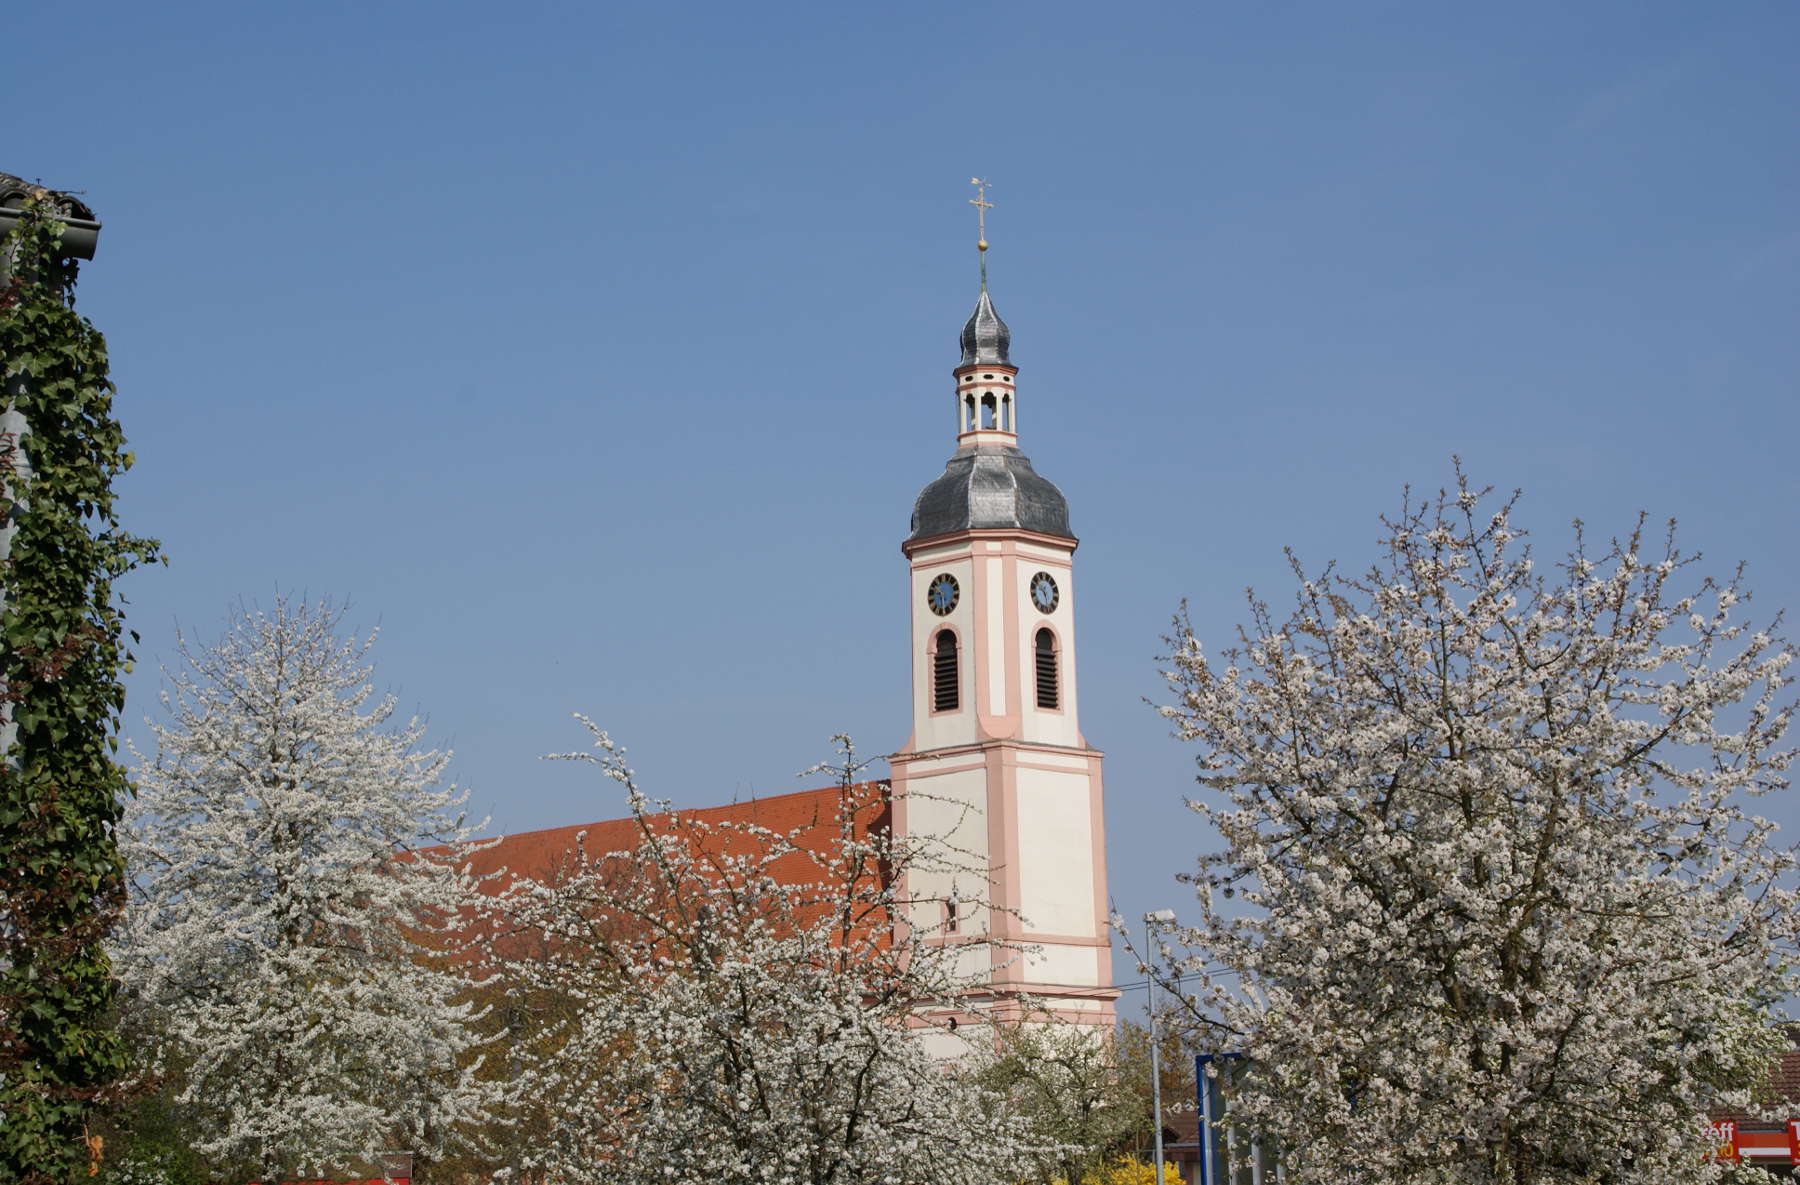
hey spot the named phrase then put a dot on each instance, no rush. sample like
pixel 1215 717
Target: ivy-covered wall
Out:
pixel 61 656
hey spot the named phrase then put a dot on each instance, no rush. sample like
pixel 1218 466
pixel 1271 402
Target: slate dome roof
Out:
pixel 990 485
pixel 985 337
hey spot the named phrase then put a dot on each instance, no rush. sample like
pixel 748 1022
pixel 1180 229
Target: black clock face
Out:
pixel 1043 592
pixel 943 594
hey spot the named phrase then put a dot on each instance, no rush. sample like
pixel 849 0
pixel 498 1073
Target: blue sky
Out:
pixel 597 352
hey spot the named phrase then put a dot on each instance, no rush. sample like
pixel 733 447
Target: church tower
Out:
pixel 996 762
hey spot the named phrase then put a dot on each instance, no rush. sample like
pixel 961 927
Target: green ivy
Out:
pixel 61 657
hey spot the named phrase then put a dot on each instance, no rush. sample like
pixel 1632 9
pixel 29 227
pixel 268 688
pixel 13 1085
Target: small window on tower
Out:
pixel 944 683
pixel 1046 670
pixel 989 412
pixel 951 920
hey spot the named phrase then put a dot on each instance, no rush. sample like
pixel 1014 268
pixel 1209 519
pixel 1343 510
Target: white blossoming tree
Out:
pixel 1503 915
pixel 284 938
pixel 741 1004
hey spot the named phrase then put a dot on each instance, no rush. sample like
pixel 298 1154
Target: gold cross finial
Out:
pixel 982 206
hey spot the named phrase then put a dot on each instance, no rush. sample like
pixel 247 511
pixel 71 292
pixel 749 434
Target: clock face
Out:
pixel 942 594
pixel 1043 592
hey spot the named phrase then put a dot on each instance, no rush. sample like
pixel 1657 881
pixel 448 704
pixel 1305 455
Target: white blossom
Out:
pixel 1509 918
pixel 289 886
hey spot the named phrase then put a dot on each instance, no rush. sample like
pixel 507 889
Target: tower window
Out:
pixel 1046 670
pixel 989 412
pixel 951 921
pixel 944 682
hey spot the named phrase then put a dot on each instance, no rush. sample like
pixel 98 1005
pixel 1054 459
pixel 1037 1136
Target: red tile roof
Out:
pixel 810 817
pixel 1784 1087
pixel 1785 1080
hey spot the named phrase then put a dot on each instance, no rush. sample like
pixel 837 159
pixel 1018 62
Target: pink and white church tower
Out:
pixel 996 761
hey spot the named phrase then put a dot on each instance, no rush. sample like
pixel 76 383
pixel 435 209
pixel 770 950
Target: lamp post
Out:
pixel 1153 919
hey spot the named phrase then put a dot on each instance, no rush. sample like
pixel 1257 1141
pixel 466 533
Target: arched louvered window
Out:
pixel 1046 670
pixel 944 682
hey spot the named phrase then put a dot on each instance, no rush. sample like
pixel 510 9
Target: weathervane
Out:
pixel 982 206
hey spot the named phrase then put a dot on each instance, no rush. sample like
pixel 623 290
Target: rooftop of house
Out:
pixel 1784 1087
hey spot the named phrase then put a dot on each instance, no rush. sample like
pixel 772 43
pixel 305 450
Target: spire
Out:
pixel 985 336
pixel 989 483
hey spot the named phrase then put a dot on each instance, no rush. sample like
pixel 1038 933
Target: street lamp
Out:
pixel 81 233
pixel 1156 917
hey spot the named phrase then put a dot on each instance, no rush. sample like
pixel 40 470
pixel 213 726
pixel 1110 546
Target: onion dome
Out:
pixel 989 485
pixel 985 337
